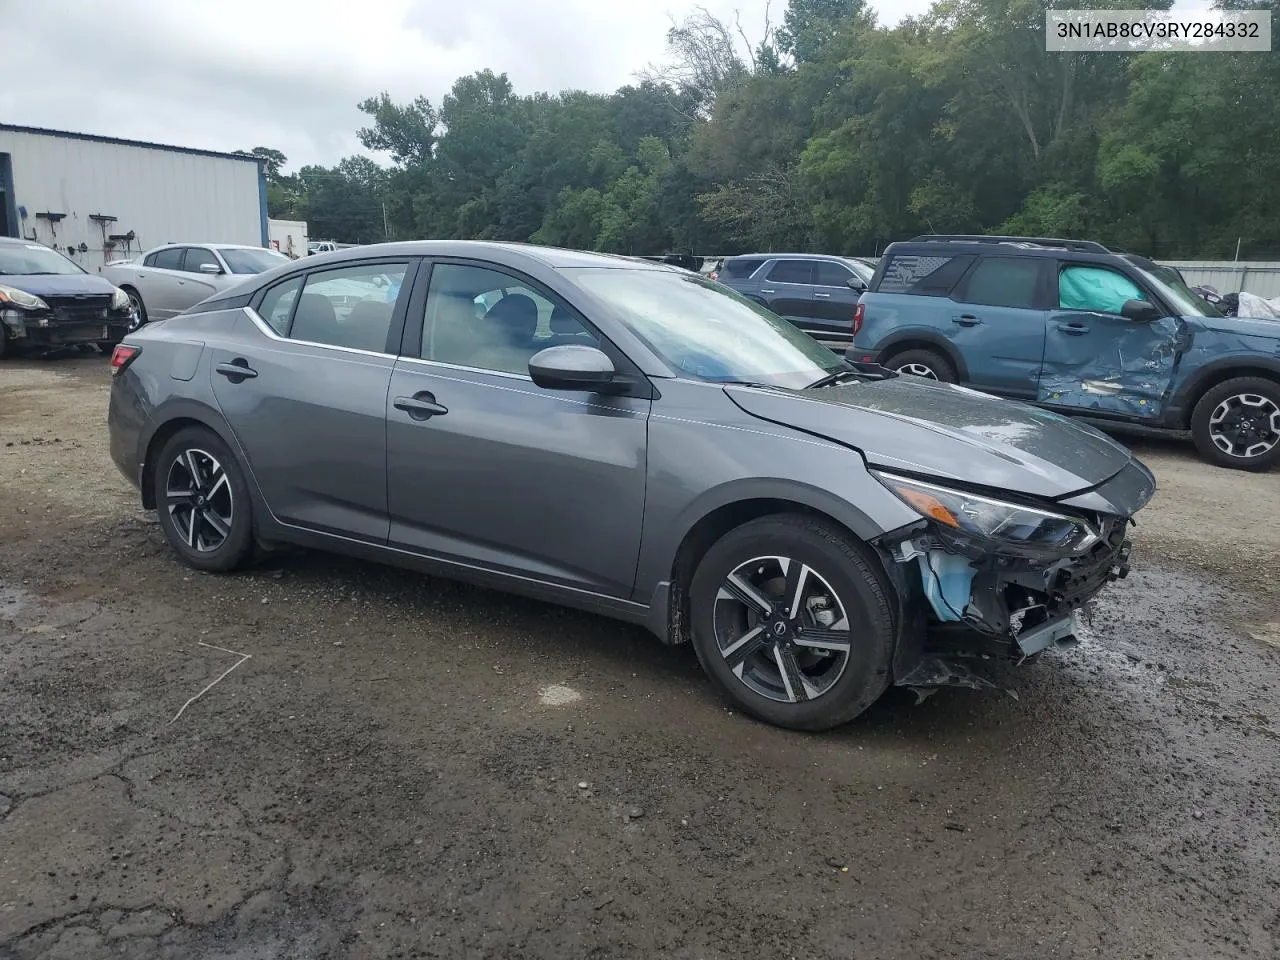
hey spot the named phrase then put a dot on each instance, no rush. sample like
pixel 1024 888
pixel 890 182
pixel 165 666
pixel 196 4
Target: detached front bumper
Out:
pixel 46 328
pixel 968 604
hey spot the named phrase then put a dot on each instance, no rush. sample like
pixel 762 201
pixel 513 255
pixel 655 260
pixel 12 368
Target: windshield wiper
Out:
pixel 834 378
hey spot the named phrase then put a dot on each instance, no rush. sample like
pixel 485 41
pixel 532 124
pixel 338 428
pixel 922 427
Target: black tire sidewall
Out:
pixel 1204 410
pixel 235 550
pixel 936 362
pixel 843 564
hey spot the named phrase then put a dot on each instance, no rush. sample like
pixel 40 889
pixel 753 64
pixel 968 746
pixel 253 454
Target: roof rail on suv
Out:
pixel 1080 246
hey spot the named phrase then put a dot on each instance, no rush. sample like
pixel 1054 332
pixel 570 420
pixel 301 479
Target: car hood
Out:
pixel 58 284
pixel 949 432
pixel 1249 326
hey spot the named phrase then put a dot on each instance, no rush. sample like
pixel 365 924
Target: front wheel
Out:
pixel 203 501
pixel 1237 424
pixel 139 310
pixel 792 622
pixel 923 363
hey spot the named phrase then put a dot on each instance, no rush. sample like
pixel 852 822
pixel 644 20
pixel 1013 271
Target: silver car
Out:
pixel 632 439
pixel 166 280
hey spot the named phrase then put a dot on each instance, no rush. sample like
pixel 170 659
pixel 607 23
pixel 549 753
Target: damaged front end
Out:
pixel 986 580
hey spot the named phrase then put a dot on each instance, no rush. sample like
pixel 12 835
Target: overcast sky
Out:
pixel 234 74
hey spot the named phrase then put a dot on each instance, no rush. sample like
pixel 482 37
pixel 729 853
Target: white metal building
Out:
pixel 100 198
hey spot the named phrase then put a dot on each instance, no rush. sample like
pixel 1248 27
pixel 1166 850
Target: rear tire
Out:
pixel 792 622
pixel 923 363
pixel 1236 417
pixel 202 501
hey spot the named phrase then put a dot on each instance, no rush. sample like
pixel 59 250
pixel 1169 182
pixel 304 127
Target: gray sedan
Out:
pixel 631 439
pixel 166 280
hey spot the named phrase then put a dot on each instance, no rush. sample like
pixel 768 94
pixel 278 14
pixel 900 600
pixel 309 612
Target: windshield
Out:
pixel 863 271
pixel 32 258
pixel 707 330
pixel 1169 284
pixel 247 260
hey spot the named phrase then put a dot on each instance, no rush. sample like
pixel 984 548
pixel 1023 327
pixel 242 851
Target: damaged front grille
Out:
pixel 79 310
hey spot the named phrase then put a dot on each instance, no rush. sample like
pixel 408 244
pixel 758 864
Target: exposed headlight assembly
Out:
pixel 990 519
pixel 120 300
pixel 20 298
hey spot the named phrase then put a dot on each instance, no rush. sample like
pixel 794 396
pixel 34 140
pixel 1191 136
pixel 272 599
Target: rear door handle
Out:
pixel 825 295
pixel 1074 329
pixel 762 290
pixel 966 320
pixel 237 370
pixel 421 406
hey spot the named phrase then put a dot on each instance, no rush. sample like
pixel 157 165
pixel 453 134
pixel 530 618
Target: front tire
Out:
pixel 923 363
pixel 792 622
pixel 139 308
pixel 1237 424
pixel 202 501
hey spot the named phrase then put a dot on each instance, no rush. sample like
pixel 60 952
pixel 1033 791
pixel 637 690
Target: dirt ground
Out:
pixel 401 767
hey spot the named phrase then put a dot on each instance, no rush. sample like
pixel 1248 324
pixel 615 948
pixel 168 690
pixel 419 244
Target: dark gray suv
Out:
pixel 817 293
pixel 631 439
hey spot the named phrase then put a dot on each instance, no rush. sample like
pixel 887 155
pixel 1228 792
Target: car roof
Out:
pixel 512 254
pixel 790 256
pixel 1000 245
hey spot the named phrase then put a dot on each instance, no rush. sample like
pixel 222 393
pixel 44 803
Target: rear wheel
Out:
pixel 923 363
pixel 1237 424
pixel 791 621
pixel 203 501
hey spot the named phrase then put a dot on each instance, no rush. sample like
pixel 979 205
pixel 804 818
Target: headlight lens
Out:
pixel 20 298
pixel 120 300
pixel 992 519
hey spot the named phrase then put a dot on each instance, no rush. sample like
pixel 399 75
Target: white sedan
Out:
pixel 166 280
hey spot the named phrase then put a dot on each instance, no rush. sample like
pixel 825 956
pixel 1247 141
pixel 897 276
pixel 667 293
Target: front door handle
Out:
pixel 966 320
pixel 421 406
pixel 237 371
pixel 824 295
pixel 1074 329
pixel 762 290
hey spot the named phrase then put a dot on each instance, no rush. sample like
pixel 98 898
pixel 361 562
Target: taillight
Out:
pixel 122 356
pixel 859 314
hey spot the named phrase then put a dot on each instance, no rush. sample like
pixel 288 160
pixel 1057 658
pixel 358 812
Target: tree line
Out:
pixel 830 132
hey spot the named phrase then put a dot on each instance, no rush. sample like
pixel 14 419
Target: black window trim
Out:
pixel 411 339
pixel 413 266
pixel 817 266
pixel 1045 298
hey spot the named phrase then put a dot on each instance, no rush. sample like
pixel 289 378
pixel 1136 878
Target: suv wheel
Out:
pixel 203 501
pixel 1237 424
pixel 791 621
pixel 923 363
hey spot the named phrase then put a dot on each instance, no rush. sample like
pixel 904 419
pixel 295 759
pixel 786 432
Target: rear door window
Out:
pixel 791 271
pixel 1095 289
pixel 170 259
pixel 924 275
pixel 1004 282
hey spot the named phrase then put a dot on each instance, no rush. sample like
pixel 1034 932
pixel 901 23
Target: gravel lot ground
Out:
pixel 405 767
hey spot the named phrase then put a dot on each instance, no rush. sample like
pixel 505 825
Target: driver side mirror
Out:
pixel 1140 311
pixel 857 285
pixel 209 268
pixel 571 367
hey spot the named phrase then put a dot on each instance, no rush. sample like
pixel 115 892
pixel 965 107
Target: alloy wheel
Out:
pixel 199 500
pixel 135 311
pixel 918 370
pixel 1245 425
pixel 782 629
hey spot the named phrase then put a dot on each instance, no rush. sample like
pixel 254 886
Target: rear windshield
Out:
pixel 922 274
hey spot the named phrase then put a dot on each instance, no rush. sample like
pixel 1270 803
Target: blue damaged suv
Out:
pixel 1109 337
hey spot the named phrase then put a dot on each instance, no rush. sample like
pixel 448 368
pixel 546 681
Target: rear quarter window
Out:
pixel 923 275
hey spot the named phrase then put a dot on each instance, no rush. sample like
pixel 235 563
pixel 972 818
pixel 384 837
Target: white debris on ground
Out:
pixel 558 695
